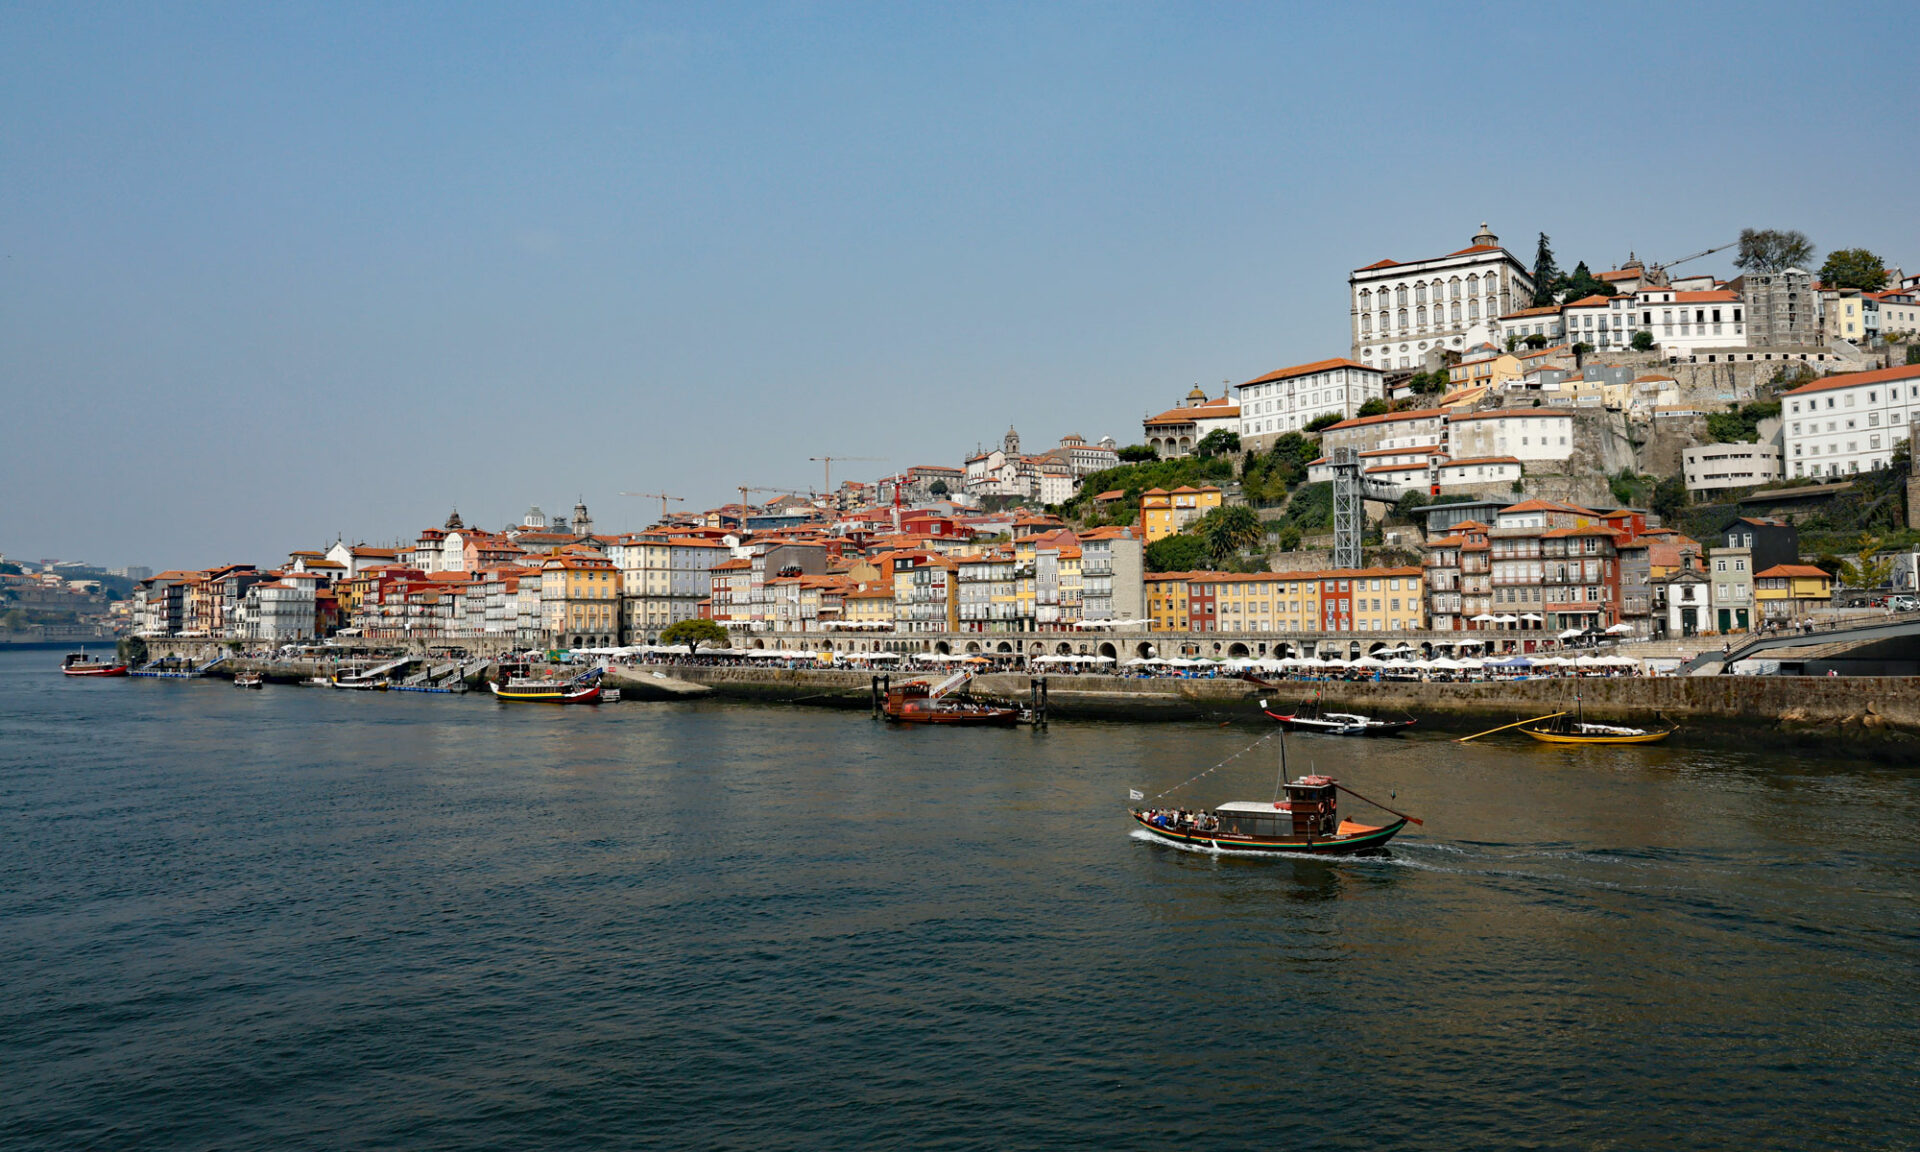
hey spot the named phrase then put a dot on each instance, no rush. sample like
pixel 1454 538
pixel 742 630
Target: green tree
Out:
pixel 1854 268
pixel 1536 341
pixel 1218 442
pixel 1545 272
pixel 1670 498
pixel 1136 454
pixel 1582 284
pixel 938 487
pixel 1374 407
pixel 1643 341
pixel 694 633
pixel 1867 569
pixel 1180 552
pixel 1325 419
pixel 1581 348
pixel 1229 531
pixel 1772 250
pixel 1289 538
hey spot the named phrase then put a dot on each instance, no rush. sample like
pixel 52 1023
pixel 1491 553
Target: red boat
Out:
pixel 918 702
pixel 81 664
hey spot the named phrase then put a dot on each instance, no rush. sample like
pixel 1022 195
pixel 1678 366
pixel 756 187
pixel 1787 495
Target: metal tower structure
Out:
pixel 1349 514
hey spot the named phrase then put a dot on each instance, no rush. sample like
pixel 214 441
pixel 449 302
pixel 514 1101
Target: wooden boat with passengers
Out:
pixel 1307 822
pixel 81 664
pixel 921 702
pixel 1302 818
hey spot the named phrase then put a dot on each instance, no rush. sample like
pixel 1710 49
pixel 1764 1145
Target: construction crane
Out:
pixel 746 488
pixel 660 496
pixel 826 477
pixel 1659 271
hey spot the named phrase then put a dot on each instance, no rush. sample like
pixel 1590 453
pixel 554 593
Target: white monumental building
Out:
pixel 1291 398
pixel 1850 423
pixel 1403 312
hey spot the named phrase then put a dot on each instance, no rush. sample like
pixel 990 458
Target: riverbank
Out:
pixel 1869 710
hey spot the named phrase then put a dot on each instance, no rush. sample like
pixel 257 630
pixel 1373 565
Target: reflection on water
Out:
pixel 298 918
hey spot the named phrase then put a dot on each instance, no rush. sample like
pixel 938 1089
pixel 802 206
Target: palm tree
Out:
pixel 1230 530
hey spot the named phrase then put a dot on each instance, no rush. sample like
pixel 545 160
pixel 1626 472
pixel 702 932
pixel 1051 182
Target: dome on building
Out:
pixel 1485 237
pixel 454 523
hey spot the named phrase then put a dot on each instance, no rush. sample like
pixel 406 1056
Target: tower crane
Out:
pixel 660 496
pixel 1660 270
pixel 746 488
pixel 826 478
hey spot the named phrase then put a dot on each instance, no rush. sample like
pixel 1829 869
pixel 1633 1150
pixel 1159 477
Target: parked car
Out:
pixel 1904 604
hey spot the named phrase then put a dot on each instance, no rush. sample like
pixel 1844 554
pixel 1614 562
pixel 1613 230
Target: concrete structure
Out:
pixel 1782 308
pixel 1404 314
pixel 1718 467
pixel 1849 423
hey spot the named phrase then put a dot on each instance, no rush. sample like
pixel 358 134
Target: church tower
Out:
pixel 582 523
pixel 1011 445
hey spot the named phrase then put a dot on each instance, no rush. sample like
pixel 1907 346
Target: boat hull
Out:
pixel 578 696
pixel 115 670
pixel 1361 838
pixel 1335 728
pixel 1572 738
pixel 968 717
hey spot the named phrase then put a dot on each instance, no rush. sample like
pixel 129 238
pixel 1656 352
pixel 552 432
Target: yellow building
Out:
pixel 580 600
pixel 1786 591
pixel 1164 513
pixel 1167 600
pixel 870 605
pixel 1484 372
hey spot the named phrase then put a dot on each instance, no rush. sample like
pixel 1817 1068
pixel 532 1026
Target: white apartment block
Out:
pixel 1850 423
pixel 1717 467
pixel 1543 322
pixel 1403 312
pixel 1291 398
pixel 1422 428
pixel 1521 433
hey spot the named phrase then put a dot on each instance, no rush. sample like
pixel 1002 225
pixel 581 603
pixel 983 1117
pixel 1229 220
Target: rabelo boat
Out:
pixel 1311 717
pixel 517 683
pixel 919 702
pixel 1564 729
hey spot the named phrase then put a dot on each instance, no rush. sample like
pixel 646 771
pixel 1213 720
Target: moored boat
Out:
pixel 81 664
pixel 1310 718
pixel 583 689
pixel 918 702
pixel 249 679
pixel 1306 822
pixel 1576 732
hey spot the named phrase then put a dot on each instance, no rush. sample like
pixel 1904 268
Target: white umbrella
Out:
pixel 1505 619
pixel 1572 632
pixel 1535 617
pixel 1485 618
pixel 1446 663
pixel 1620 628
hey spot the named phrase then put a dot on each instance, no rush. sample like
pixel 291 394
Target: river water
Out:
pixel 297 918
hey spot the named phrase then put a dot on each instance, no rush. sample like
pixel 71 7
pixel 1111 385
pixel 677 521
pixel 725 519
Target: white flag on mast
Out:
pixel 1136 794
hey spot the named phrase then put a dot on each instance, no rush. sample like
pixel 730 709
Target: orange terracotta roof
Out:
pixel 1308 370
pixel 1378 264
pixel 1470 250
pixel 1387 417
pixel 1544 310
pixel 1853 379
pixel 1794 570
pixel 1593 301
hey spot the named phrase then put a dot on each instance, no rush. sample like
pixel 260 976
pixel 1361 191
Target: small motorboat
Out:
pixel 357 682
pixel 81 664
pixel 1307 821
pixel 1311 718
pixel 249 679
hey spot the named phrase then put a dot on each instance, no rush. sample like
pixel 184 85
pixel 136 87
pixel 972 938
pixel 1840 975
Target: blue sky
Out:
pixel 277 272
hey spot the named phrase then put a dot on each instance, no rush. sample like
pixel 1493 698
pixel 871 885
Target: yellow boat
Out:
pixel 1578 733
